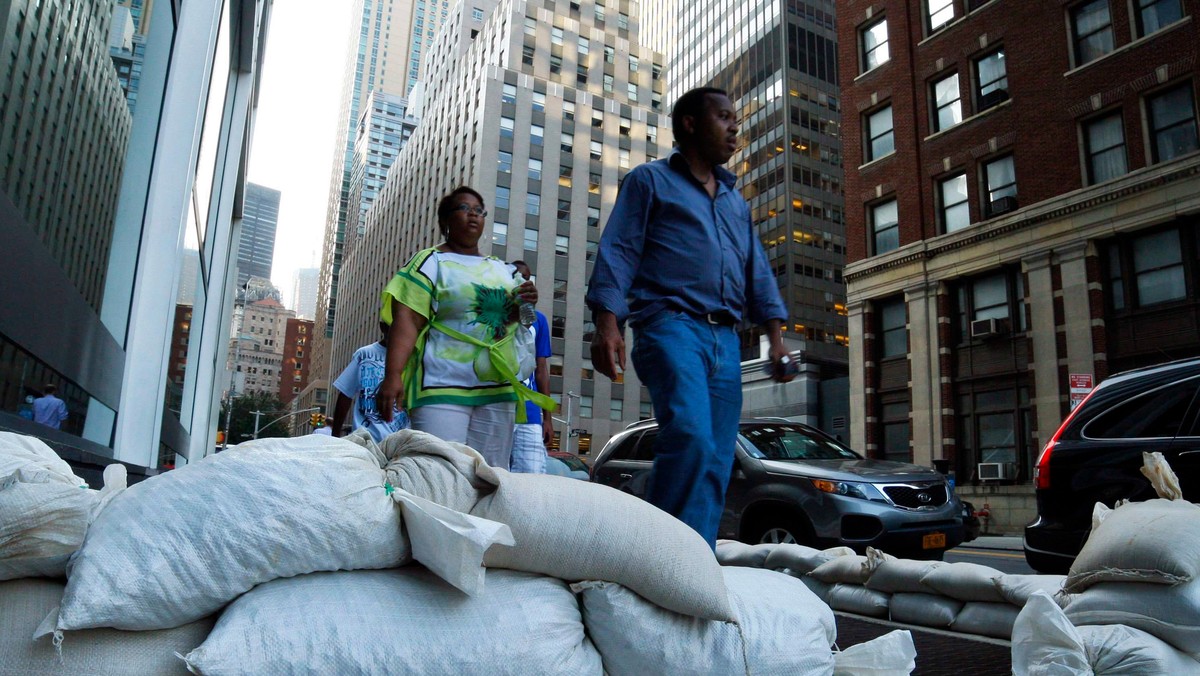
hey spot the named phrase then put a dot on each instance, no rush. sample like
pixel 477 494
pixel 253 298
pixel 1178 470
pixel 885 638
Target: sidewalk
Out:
pixel 1011 543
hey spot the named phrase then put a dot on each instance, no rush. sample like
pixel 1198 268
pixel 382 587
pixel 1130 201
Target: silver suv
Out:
pixel 794 483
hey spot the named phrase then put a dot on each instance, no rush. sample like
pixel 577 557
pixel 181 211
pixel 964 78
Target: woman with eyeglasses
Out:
pixel 456 353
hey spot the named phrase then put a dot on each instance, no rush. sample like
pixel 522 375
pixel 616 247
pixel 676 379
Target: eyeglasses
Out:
pixel 467 208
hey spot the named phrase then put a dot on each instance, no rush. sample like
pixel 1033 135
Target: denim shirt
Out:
pixel 669 246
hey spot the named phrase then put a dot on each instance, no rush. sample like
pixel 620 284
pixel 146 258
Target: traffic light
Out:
pixel 220 436
pixel 316 420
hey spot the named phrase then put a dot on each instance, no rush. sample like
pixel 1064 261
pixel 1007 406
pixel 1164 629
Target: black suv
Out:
pixel 1096 455
pixel 794 483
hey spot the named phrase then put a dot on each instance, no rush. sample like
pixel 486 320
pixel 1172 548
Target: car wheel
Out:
pixel 781 529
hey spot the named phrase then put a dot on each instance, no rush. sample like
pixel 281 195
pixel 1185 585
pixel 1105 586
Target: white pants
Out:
pixel 528 451
pixel 487 429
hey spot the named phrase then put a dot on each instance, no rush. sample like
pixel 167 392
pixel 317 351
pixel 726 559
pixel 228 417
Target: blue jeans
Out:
pixel 693 371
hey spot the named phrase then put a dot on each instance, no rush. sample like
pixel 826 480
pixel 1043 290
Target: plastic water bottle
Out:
pixel 526 312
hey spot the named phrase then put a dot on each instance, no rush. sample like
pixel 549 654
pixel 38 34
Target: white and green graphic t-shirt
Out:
pixel 469 294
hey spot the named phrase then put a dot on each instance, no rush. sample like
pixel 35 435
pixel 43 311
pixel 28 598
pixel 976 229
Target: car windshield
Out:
pixel 780 442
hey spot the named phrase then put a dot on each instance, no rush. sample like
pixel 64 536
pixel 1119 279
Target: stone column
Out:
pixel 1077 309
pixel 858 369
pixel 925 373
pixel 1043 333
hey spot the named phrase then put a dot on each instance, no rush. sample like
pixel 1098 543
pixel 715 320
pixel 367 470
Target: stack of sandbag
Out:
pixel 44 508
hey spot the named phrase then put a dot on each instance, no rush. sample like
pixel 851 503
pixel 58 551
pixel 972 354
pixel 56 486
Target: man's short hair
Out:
pixel 50 388
pixel 448 203
pixel 518 264
pixel 691 103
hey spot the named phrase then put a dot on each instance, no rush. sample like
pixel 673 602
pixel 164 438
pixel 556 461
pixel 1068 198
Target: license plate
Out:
pixel 934 541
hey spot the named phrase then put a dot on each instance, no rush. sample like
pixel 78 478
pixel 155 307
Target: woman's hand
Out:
pixel 528 292
pixel 389 395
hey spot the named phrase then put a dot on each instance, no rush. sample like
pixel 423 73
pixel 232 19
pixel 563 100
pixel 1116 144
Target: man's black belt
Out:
pixel 722 318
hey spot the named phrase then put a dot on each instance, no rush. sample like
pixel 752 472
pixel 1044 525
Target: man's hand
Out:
pixel 779 364
pixel 387 396
pixel 608 345
pixel 547 429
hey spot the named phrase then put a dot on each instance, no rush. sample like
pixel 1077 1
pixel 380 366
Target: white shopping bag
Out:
pixel 892 654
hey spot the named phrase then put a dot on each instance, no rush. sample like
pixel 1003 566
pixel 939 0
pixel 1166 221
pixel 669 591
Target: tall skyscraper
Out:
pixel 778 61
pixel 382 130
pixel 189 275
pixel 260 219
pixel 542 109
pixel 1024 221
pixel 304 292
pixel 127 44
pixel 384 54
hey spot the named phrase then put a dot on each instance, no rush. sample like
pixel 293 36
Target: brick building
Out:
pixel 297 357
pixel 1023 216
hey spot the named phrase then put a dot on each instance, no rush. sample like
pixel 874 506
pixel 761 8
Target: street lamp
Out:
pixel 566 435
pixel 258 414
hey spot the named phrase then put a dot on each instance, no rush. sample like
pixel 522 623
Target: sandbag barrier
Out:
pixel 300 556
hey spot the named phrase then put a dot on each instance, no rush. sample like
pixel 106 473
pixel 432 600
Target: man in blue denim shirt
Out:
pixel 680 261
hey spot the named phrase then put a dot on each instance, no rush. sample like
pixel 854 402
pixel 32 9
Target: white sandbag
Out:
pixel 449 543
pixel 178 546
pixel 1044 643
pixel 734 553
pixel 853 598
pixel 1169 613
pixel 901 575
pixel 801 560
pixel 820 589
pixel 23 604
pixel 986 619
pixel 1162 478
pixel 1155 541
pixel 892 654
pixel 449 474
pixel 19 451
pixel 576 531
pixel 1016 589
pixel 843 570
pixel 402 621
pixel 927 610
pixel 965 582
pixel 1117 650
pixel 781 629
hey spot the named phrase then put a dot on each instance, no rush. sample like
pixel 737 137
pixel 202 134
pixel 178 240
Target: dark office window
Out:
pixel 1104 146
pixel 1172 118
pixel 1092 30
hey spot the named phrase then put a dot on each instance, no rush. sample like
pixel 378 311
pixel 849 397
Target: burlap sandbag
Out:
pixel 1157 541
pixel 987 619
pixel 403 621
pixel 179 546
pixel 782 628
pixel 853 598
pixel 927 610
pixel 1169 613
pixel 577 531
pixel 23 605
pixel 965 582
pixel 735 553
pixel 449 474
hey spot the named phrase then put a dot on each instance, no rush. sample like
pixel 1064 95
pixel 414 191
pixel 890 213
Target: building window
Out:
pixel 622 21
pixel 1000 185
pixel 1172 123
pixel 536 134
pixel 589 254
pixel 999 295
pixel 585 406
pixel 500 234
pixel 594 183
pixel 504 162
pixel 874 45
pixel 597 118
pixel 1153 15
pixel 564 175
pixel 896 432
pixel 527 55
pixel 530 26
pixel 893 334
pixel 607 83
pixel 539 102
pixel 626 125
pixel 555 64
pixel 506 127
pixel 531 239
pixel 631 90
pixel 477 14
pixel 583 45
pixel 880 140
pixel 610 54
pixel 502 194
pixel 616 409
pixel 560 245
pixel 633 63
pixel 1092 31
pixel 623 158
pixel 947 102
pixel 991 78
pixel 568 109
pixel 597 149
pixel 1104 145
pixel 509 94
pixel 593 215
pixel 1148 269
pixel 564 210
pixel 560 291
pixel 556 36
pixel 885 227
pixel 567 143
pixel 954 210
pixel 941 12
pixel 533 203
pixel 995 426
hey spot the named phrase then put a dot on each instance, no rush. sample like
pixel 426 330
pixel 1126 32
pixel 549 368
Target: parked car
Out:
pixel 794 483
pixel 971 525
pixel 1096 455
pixel 566 464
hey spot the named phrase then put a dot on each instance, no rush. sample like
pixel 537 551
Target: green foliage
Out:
pixel 242 421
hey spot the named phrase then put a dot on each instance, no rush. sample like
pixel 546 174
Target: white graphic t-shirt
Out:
pixel 361 380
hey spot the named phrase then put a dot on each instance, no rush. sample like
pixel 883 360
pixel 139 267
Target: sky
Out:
pixel 296 125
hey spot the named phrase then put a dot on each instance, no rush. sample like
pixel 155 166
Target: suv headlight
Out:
pixel 851 489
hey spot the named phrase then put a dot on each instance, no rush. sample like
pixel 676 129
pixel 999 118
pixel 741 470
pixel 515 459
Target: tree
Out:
pixel 242 421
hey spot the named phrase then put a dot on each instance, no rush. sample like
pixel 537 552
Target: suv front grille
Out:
pixel 917 496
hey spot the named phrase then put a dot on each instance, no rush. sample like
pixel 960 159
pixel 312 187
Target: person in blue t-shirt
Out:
pixel 357 384
pixel 531 437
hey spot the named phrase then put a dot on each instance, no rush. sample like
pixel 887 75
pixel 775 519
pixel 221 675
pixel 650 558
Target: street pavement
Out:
pixel 1003 553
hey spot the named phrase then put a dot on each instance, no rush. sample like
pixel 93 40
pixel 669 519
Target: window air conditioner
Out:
pixel 1003 205
pixel 993 98
pixel 986 328
pixel 996 471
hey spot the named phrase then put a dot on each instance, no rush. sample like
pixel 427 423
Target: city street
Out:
pixel 1002 553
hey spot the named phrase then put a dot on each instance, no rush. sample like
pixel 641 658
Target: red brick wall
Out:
pixel 1040 125
pixel 297 330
